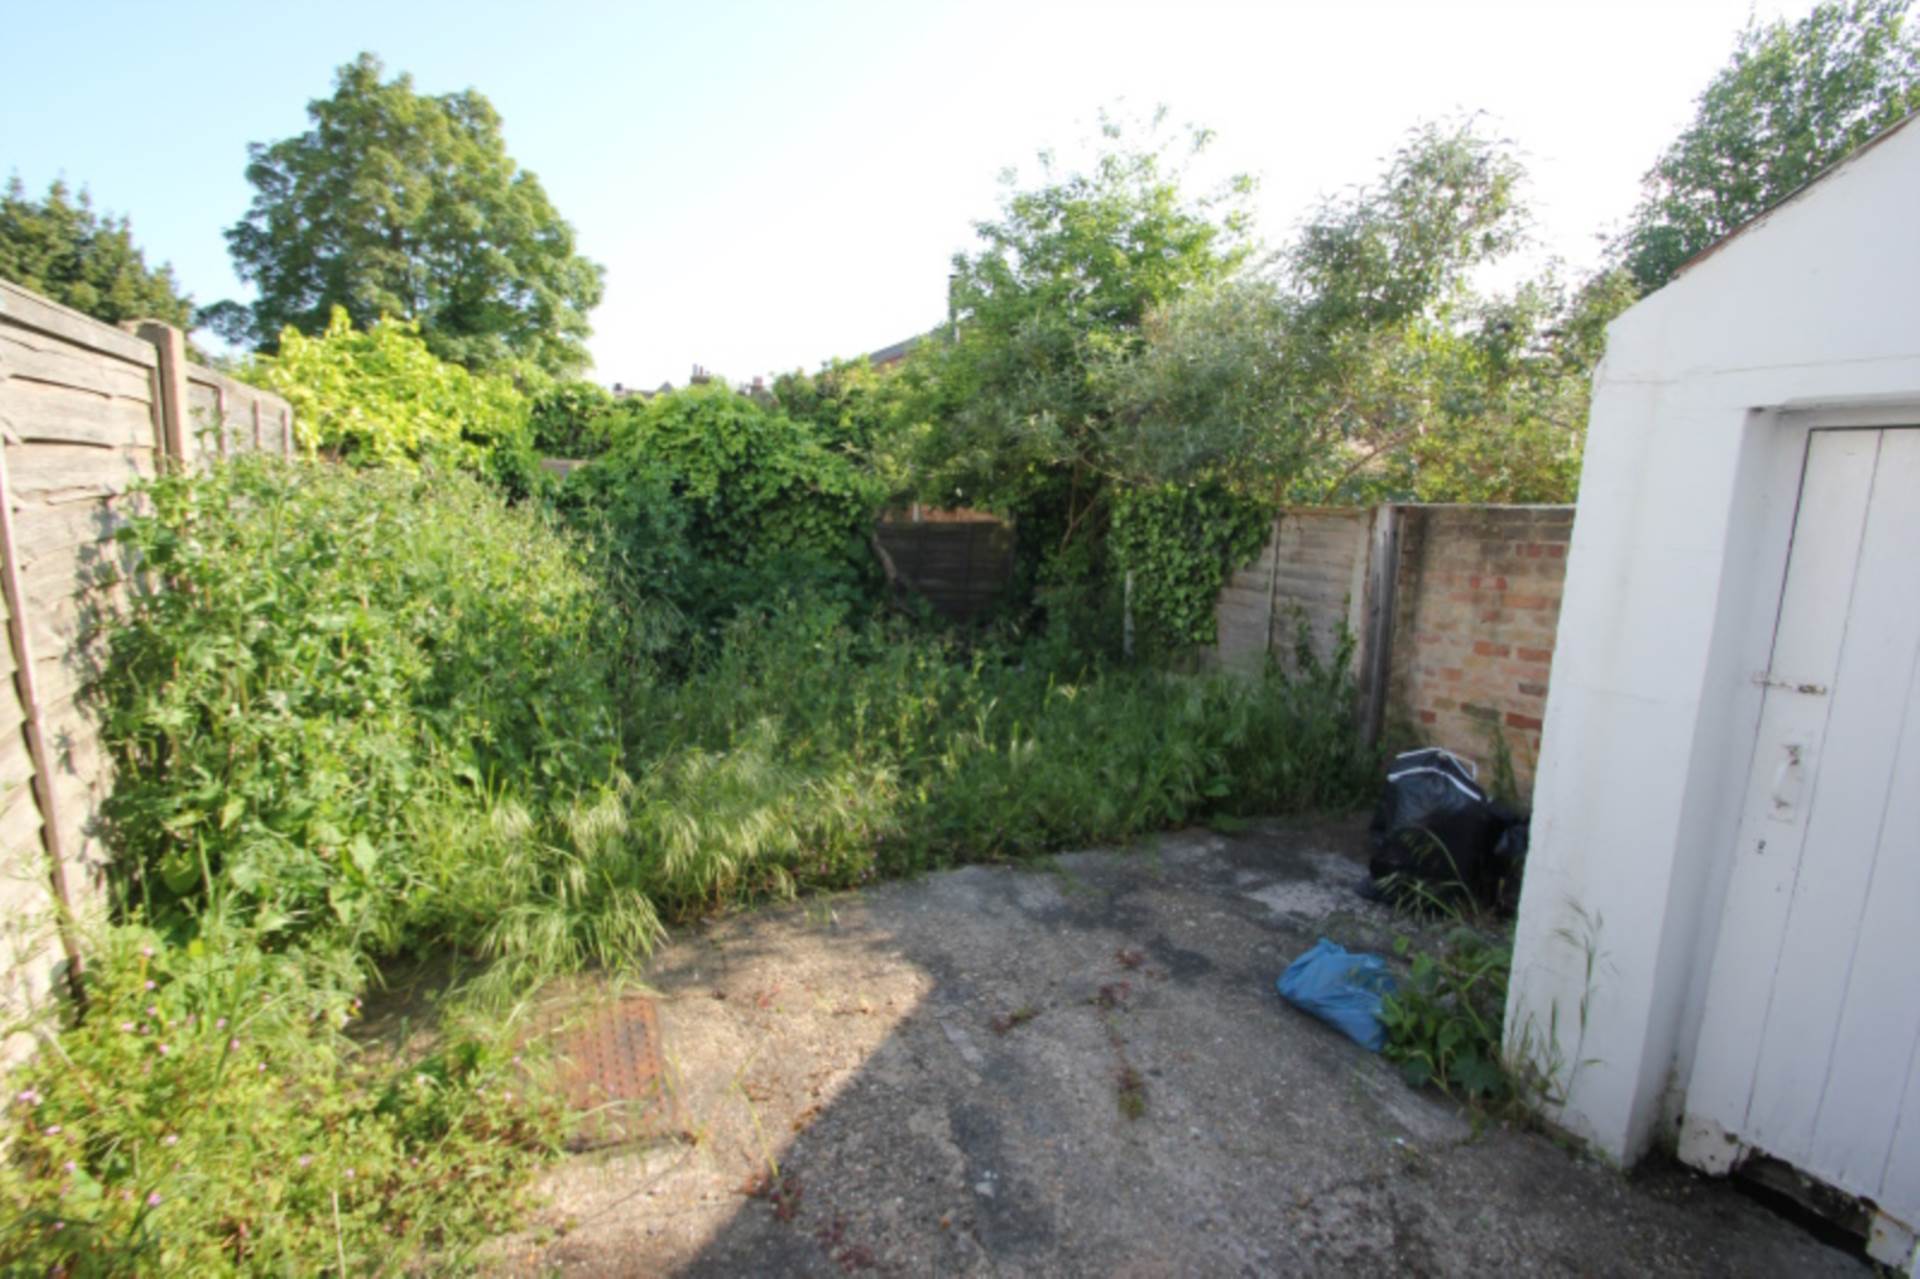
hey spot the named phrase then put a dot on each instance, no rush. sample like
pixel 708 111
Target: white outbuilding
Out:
pixel 1718 947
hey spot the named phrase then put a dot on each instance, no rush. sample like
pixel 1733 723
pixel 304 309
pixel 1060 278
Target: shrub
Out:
pixel 762 501
pixel 379 396
pixel 327 681
pixel 208 1117
pixel 572 418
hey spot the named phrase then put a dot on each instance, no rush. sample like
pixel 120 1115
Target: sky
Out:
pixel 772 185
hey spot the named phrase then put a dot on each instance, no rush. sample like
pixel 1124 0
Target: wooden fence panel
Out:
pixel 86 412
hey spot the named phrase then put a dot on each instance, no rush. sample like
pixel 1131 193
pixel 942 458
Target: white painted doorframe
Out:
pixel 1809 1048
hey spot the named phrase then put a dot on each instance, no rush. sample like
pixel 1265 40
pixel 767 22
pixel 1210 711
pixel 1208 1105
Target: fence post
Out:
pixel 1273 580
pixel 171 345
pixel 1376 662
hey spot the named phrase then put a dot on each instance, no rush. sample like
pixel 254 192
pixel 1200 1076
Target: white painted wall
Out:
pixel 1679 545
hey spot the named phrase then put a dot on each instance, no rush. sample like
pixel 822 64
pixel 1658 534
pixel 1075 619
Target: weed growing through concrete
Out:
pixel 1130 1090
pixel 1004 1022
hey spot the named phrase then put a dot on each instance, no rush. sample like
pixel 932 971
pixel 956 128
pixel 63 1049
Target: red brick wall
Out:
pixel 1476 605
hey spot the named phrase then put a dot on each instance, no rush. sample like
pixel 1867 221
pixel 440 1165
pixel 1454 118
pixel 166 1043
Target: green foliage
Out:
pixel 1443 1021
pixel 1180 543
pixel 61 248
pixel 207 1116
pixel 1408 383
pixel 396 203
pixel 1008 413
pixel 354 712
pixel 1794 99
pixel 572 418
pixel 1366 368
pixel 759 506
pixel 379 396
pixel 848 406
pixel 914 753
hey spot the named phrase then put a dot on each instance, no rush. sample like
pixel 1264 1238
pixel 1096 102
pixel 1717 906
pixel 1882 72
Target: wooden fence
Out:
pixel 86 411
pixel 961 561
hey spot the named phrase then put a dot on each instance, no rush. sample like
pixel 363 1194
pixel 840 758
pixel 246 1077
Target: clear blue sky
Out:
pixel 770 185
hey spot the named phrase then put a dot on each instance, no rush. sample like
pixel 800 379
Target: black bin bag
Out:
pixel 1435 831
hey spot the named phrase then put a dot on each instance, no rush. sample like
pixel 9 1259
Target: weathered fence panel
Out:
pixel 961 565
pixel 86 411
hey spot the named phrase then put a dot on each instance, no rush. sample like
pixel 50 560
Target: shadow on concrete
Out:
pixel 1081 1069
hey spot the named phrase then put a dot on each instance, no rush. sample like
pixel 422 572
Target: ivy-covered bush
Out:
pixel 572 418
pixel 378 396
pixel 764 508
pixel 1181 542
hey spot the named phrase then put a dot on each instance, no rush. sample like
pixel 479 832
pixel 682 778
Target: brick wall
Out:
pixel 1476 606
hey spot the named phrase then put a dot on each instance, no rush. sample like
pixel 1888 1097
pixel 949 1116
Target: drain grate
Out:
pixel 609 1073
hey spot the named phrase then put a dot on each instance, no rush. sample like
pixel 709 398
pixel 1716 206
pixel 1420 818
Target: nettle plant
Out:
pixel 208 1116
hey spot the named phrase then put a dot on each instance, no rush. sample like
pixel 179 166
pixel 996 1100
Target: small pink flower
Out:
pixel 152 1011
pixel 221 1024
pixel 59 1226
pixel 164 1050
pixel 53 1130
pixel 305 1160
pixel 171 1139
pixel 153 1200
pixel 263 1067
pixel 152 984
pixel 233 1045
pixel 127 1026
pixel 349 1174
pixel 147 951
pixel 70 1165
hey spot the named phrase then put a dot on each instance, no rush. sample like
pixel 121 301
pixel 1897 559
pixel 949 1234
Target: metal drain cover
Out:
pixel 608 1068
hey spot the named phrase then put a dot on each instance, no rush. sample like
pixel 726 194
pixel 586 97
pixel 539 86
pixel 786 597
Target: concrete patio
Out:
pixel 1081 1068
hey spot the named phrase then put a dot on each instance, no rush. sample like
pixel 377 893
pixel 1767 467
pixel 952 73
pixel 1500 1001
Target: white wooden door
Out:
pixel 1807 1050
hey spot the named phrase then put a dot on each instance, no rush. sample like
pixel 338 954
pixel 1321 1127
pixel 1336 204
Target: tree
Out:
pixel 61 248
pixel 1367 367
pixel 1066 276
pixel 1793 100
pixel 400 204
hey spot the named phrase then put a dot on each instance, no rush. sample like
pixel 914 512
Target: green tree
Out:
pixel 403 204
pixel 1065 277
pixel 1794 99
pixel 61 248
pixel 1366 367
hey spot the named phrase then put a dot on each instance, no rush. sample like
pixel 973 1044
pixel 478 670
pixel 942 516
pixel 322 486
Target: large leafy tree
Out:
pixel 1794 99
pixel 397 203
pixel 60 247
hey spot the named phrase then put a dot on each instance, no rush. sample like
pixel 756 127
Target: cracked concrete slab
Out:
pixel 1080 1067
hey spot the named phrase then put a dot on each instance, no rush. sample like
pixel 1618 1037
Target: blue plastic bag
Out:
pixel 1343 989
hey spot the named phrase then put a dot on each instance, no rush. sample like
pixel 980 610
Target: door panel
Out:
pixel 1807 1045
